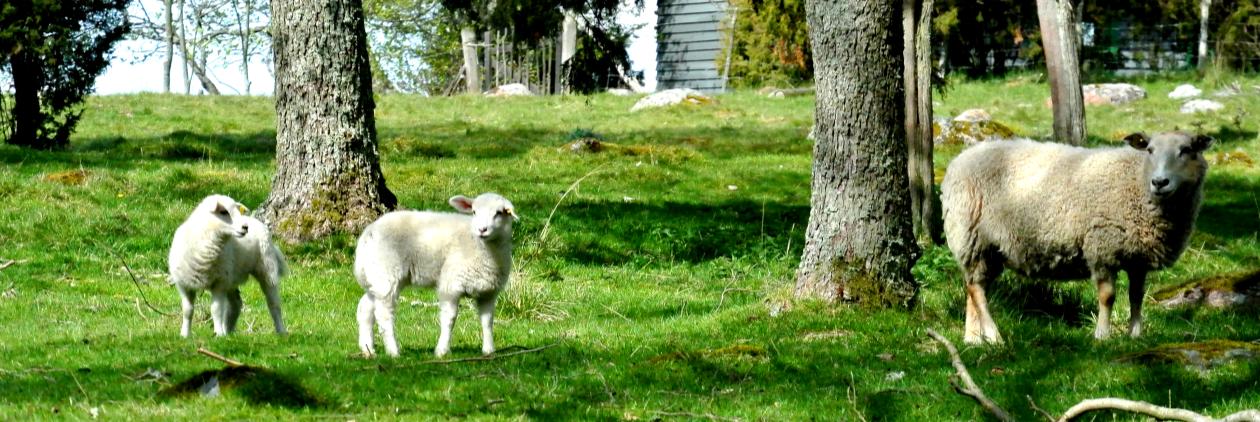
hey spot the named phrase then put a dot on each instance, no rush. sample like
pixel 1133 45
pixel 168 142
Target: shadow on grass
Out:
pixel 673 231
pixel 177 146
pixel 1231 207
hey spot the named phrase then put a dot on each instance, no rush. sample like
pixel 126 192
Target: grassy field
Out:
pixel 656 288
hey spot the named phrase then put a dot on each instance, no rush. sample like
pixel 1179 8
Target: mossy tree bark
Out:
pixel 916 19
pixel 328 173
pixel 859 243
pixel 1061 43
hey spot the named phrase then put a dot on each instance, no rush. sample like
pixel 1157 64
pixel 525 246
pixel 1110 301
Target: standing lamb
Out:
pixel 215 250
pixel 1062 212
pixel 459 255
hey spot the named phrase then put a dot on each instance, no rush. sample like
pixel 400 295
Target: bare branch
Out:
pixel 1159 412
pixel 136 281
pixel 1039 410
pixel 219 357
pixel 969 387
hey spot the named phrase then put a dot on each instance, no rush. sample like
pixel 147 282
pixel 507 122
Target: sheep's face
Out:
pixel 1174 162
pixel 492 215
pixel 223 215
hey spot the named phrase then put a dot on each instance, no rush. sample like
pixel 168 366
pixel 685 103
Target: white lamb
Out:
pixel 459 255
pixel 215 249
pixel 1063 212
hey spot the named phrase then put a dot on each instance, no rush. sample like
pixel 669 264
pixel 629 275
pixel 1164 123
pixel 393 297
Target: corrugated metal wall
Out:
pixel 689 42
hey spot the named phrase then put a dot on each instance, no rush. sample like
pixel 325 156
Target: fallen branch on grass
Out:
pixel 219 357
pixel 487 357
pixel 1154 411
pixel 7 264
pixel 136 281
pixel 708 416
pixel 969 387
pixel 1158 412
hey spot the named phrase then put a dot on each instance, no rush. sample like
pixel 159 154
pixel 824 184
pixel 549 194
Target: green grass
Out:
pixel 656 281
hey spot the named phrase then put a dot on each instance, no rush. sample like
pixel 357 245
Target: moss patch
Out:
pixel 1218 290
pixel 1200 356
pixel 68 178
pixel 967 133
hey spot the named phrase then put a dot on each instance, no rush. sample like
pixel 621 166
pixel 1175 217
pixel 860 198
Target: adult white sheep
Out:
pixel 216 249
pixel 1062 212
pixel 459 255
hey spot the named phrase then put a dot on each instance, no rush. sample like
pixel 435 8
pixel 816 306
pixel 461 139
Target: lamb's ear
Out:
pixel 512 212
pixel 462 204
pixel 1137 140
pixel 1201 143
pixel 241 207
pixel 218 208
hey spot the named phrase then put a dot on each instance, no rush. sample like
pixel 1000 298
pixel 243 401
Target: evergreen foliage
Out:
pixel 51 51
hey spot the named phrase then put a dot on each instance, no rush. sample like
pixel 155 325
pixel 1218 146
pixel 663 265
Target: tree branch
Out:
pixel 219 357
pixel 969 387
pixel 1157 412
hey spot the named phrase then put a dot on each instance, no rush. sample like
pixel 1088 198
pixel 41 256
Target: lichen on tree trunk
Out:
pixel 328 175
pixel 859 244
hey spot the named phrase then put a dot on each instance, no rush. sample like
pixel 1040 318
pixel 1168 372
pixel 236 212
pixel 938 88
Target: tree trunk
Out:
pixel 28 118
pixel 1061 42
pixel 183 46
pixel 328 173
pixel 1205 6
pixel 472 74
pixel 859 243
pixel 916 15
pixel 169 9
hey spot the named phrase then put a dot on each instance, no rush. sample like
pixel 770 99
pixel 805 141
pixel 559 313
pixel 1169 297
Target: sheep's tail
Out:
pixel 274 263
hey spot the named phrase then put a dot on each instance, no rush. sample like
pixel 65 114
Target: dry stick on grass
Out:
pixel 7 264
pixel 136 281
pixel 969 387
pixel 708 416
pixel 1157 412
pixel 1039 410
pixel 1085 406
pixel 219 357
pixel 487 357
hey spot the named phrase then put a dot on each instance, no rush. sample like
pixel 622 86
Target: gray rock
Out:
pixel 1201 106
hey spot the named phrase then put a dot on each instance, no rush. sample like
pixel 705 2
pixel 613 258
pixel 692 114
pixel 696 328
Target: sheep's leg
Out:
pixel 271 290
pixel 980 327
pixel 1137 292
pixel 448 310
pixel 384 311
pixel 218 311
pixel 187 298
pixel 234 305
pixel 366 321
pixel 485 309
pixel 1106 297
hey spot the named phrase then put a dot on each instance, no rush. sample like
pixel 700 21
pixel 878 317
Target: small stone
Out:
pixel 671 97
pixel 1199 106
pixel 510 90
pixel 1112 94
pixel 973 115
pixel 1184 91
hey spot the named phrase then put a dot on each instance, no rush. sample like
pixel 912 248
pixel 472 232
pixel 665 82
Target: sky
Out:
pixel 131 71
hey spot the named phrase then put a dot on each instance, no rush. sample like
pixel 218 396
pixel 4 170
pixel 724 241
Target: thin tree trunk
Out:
pixel 28 118
pixel 472 74
pixel 1061 43
pixel 1205 7
pixel 930 207
pixel 190 61
pixel 242 24
pixel 183 46
pixel 859 243
pixel 169 9
pixel 328 173
pixel 917 82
